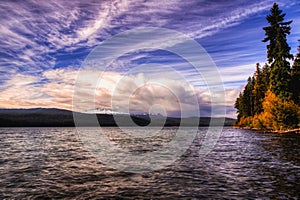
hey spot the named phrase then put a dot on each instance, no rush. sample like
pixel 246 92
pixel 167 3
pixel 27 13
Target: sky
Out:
pixel 44 45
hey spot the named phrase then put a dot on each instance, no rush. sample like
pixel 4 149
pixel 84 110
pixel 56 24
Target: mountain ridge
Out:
pixel 52 117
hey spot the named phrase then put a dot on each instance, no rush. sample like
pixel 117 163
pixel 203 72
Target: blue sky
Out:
pixel 43 44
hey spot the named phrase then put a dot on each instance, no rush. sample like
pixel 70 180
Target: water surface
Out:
pixel 45 163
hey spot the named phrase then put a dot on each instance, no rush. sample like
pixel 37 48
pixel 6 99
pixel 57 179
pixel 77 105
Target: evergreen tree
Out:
pixel 266 76
pixel 239 106
pixel 278 51
pixel 297 58
pixel 260 88
pixel 249 100
pixel 295 85
pixel 245 102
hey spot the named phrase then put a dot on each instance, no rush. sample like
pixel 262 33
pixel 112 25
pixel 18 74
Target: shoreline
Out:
pixel 289 131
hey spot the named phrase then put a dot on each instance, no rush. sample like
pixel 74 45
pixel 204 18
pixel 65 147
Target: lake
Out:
pixel 44 163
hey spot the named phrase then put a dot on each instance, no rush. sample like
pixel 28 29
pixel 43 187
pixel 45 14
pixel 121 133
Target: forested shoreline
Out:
pixel 271 98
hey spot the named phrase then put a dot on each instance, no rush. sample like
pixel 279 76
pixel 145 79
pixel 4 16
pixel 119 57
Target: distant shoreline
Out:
pixel 45 117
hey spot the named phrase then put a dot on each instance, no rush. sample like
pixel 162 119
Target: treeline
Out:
pixel 271 97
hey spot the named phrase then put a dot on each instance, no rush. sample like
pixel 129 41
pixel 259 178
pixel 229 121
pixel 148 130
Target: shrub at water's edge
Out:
pixel 271 97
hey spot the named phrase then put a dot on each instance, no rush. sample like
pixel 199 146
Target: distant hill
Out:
pixel 52 117
pixel 35 117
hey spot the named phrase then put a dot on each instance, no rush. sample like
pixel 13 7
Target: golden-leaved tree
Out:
pixel 278 114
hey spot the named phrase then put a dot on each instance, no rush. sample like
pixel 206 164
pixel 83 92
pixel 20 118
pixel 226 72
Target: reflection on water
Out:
pixel 52 163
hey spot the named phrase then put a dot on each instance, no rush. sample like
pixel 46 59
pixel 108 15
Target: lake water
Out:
pixel 41 163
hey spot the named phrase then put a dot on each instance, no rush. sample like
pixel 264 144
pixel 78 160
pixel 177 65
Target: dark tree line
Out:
pixel 249 102
pixel 274 86
pixel 295 79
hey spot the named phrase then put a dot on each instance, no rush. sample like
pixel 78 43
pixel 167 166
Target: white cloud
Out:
pixel 108 11
pixel 229 20
pixel 236 74
pixel 141 91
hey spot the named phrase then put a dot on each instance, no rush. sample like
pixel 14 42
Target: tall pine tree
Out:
pixel 245 102
pixel 278 52
pixel 260 88
pixel 295 85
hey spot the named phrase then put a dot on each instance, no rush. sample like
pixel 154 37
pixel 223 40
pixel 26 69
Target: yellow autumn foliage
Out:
pixel 277 115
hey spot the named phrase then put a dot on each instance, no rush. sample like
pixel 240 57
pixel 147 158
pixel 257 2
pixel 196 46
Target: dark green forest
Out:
pixel 271 98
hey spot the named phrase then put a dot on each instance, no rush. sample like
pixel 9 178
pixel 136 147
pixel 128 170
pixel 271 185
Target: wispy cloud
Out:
pixel 36 31
pixel 233 18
